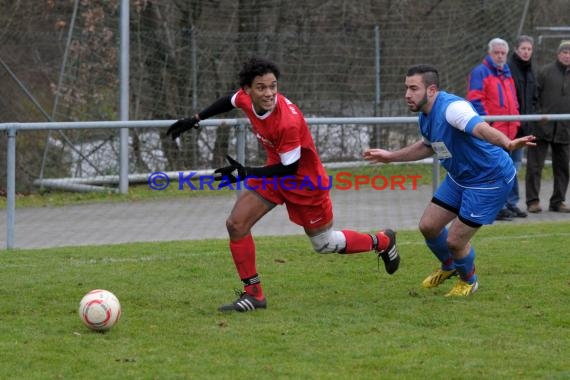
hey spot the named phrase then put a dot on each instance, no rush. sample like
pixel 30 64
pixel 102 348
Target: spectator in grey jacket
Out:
pixel 553 83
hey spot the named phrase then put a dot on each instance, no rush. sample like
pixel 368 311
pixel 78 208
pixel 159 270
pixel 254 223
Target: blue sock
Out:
pixel 439 248
pixel 466 267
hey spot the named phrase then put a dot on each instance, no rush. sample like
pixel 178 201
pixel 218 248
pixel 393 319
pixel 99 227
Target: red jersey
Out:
pixel 282 131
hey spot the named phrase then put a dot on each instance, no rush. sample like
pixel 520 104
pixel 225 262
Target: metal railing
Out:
pixel 240 124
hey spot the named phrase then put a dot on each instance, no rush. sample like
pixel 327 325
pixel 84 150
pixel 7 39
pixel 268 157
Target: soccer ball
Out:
pixel 99 310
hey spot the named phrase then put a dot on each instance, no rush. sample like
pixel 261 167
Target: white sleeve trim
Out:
pixel 233 100
pixel 291 156
pixel 459 113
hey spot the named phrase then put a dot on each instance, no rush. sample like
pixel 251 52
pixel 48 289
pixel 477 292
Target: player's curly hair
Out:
pixel 255 67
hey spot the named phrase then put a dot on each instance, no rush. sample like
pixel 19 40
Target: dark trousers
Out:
pixel 535 163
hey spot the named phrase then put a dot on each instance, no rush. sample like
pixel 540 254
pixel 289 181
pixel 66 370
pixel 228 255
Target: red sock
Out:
pixel 357 242
pixel 383 241
pixel 254 290
pixel 243 253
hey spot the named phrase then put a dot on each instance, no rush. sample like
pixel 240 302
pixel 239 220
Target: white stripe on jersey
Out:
pixel 291 156
pixel 459 114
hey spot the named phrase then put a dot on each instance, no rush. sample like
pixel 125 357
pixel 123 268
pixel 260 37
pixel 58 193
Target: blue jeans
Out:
pixel 513 197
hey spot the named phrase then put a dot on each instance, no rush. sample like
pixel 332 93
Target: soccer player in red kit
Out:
pixel 293 175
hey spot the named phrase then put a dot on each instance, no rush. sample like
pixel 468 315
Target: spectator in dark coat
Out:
pixel 523 74
pixel 553 84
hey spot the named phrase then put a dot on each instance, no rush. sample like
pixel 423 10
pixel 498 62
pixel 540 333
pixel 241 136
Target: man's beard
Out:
pixel 419 106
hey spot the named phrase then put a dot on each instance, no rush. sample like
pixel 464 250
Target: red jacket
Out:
pixel 492 92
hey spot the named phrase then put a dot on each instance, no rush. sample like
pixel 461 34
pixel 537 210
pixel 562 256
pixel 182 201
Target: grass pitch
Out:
pixel 328 316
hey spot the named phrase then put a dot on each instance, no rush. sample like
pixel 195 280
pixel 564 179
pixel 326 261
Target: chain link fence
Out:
pixel 337 59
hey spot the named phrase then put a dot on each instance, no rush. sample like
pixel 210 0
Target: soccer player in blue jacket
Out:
pixel 479 177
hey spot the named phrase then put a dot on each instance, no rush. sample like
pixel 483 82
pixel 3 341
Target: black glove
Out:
pixel 233 173
pixel 181 126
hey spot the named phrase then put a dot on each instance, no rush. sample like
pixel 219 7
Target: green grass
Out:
pixel 328 316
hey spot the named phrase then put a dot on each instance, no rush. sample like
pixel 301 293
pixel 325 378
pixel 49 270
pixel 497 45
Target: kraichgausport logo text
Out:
pixel 340 181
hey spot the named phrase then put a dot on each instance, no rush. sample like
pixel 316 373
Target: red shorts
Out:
pixel 316 213
pixel 310 216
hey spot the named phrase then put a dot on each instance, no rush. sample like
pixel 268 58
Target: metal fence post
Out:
pixel 377 131
pixel 240 144
pixel 194 65
pixel 124 98
pixel 10 187
pixel 435 174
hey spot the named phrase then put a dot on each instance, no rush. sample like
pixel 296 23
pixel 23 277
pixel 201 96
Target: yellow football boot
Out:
pixel 463 289
pixel 438 277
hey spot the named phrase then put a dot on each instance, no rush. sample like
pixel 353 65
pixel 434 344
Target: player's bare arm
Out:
pixel 485 132
pixel 414 152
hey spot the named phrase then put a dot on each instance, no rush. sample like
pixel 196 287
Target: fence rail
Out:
pixel 12 129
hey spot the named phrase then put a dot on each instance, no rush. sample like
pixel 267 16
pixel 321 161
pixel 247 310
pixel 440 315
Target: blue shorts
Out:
pixel 474 205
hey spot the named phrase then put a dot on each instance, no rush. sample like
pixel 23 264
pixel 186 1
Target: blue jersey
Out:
pixel 469 161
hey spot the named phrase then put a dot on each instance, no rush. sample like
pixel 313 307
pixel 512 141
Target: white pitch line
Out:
pixel 169 256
